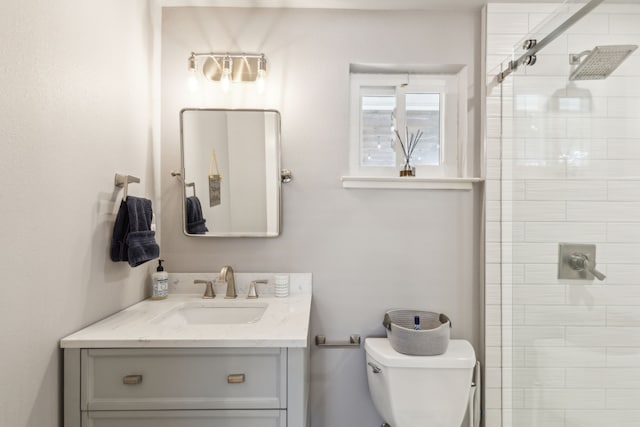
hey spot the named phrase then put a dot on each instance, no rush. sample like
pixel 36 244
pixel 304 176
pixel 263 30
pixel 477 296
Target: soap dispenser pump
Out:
pixel 160 282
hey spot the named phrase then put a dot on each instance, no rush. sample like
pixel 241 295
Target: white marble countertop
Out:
pixel 284 323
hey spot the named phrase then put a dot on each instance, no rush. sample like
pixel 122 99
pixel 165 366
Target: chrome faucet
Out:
pixel 226 274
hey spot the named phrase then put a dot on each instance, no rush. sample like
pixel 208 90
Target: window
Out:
pixel 385 106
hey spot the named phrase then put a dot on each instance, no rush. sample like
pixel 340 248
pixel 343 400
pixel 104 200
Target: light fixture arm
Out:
pixel 226 54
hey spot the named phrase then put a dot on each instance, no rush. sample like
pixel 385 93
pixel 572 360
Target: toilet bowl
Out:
pixel 420 391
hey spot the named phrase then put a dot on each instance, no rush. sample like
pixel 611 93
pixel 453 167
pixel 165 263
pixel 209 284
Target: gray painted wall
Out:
pixel 368 250
pixel 74 110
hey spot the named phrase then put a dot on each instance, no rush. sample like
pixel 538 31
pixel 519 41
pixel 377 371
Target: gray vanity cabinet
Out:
pixel 245 418
pixel 186 387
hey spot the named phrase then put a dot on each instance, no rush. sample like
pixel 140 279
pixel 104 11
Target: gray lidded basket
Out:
pixel 432 339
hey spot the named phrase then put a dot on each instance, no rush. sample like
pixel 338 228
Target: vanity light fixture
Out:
pixel 230 67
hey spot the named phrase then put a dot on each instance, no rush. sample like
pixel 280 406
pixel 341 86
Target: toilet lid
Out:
pixel 459 354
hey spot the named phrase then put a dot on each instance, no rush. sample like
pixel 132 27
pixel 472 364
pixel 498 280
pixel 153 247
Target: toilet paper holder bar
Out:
pixel 354 342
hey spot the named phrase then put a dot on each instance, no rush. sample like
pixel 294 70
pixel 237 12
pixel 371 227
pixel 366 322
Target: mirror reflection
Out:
pixel 231 171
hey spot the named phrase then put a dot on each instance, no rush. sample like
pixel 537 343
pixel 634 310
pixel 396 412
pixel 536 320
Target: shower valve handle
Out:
pixel 581 262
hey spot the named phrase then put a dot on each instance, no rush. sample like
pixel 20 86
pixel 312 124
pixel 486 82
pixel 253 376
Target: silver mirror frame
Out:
pixel 181 175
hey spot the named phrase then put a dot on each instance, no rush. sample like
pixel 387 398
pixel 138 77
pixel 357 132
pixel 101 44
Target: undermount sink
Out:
pixel 214 313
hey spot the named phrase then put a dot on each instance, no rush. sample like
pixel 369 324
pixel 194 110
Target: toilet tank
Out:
pixel 419 391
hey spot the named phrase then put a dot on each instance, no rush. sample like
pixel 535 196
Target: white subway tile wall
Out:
pixel 563 165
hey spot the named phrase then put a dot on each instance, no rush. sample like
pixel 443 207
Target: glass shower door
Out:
pixel 571 174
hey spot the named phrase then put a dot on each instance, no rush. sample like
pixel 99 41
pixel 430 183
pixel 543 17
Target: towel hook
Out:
pixel 123 181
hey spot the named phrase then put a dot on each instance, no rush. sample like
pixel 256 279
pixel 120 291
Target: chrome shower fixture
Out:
pixel 599 62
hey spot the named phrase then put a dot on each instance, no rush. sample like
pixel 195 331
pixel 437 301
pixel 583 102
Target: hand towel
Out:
pixel 119 246
pixel 195 219
pixel 133 240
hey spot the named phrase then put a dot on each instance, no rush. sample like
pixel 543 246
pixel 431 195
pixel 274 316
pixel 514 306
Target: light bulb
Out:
pixel 192 82
pixel 260 81
pixel 225 79
pixel 262 74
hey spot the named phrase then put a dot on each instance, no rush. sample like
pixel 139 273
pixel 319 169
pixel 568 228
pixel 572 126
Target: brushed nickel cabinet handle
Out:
pixel 235 378
pixel 132 379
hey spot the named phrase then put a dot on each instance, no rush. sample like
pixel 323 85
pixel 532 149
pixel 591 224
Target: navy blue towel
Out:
pixel 195 219
pixel 133 240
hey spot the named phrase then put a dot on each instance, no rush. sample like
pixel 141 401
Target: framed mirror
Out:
pixel 231 172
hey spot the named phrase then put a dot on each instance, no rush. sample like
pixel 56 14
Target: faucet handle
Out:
pixel 208 290
pixel 591 268
pixel 253 293
pixel 580 262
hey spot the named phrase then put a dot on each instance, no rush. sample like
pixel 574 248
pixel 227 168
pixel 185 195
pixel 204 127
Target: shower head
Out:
pixel 599 62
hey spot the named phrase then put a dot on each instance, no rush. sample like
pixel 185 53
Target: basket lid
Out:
pixel 459 354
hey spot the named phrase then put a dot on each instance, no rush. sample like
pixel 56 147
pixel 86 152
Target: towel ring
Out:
pixel 123 181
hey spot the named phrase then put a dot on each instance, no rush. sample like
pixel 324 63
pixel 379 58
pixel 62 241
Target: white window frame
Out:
pixel 453 114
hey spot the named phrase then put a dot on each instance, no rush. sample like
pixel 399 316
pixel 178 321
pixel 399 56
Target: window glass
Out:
pixel 407 104
pixel 423 115
pixel 377 131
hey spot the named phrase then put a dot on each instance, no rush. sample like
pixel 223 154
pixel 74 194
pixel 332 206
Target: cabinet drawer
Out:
pixel 165 379
pixel 265 418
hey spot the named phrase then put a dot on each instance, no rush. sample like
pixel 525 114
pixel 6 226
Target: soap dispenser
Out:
pixel 160 282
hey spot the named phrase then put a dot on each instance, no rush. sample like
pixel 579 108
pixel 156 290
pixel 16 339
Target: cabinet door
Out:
pixel 266 418
pixel 173 379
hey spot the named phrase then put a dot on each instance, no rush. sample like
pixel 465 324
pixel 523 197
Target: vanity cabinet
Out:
pixel 186 387
pixel 260 418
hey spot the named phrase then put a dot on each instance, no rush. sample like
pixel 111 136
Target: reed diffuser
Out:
pixel 412 141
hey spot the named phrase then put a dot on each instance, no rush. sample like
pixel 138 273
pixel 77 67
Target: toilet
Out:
pixel 420 391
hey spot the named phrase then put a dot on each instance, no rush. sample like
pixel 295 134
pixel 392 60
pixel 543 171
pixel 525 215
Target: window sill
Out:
pixel 409 183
